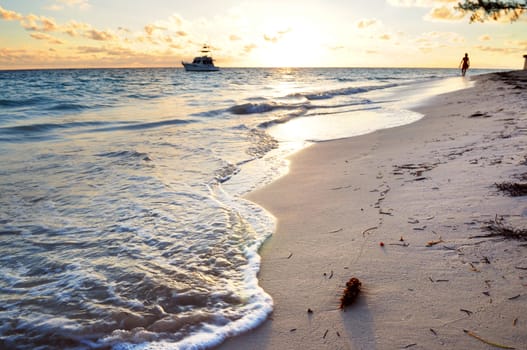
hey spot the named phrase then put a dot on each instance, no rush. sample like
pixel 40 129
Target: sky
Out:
pixel 256 33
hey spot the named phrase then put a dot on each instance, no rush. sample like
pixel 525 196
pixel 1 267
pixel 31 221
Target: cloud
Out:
pixel 234 37
pixel 99 35
pixel 250 47
pixel 277 36
pixel 10 15
pixel 420 3
pixel 485 37
pixel 367 22
pixel 74 28
pixel 504 50
pixel 444 13
pixel 385 37
pixel 151 28
pixel 81 4
pixel 46 37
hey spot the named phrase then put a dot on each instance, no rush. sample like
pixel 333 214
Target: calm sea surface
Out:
pixel 121 219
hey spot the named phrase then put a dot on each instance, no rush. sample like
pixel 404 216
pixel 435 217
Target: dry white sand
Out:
pixel 431 184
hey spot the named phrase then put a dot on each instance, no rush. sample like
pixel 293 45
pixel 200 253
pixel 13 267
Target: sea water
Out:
pixel 122 222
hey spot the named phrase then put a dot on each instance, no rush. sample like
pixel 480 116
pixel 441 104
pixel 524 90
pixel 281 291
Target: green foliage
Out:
pixel 483 10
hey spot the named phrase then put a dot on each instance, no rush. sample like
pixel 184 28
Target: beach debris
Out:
pixel 368 230
pixel 290 255
pixel 401 244
pixel 381 244
pixel 433 243
pixel 325 333
pixel 292 330
pixel 350 293
pixel 309 311
pixel 473 335
pixel 513 189
pixel 439 280
pixel 515 321
pixel 468 312
pixel 416 170
pixel 498 228
pixel 409 346
pixel 479 115
pixel 473 268
pixel 433 331
pixel 337 231
pixel 515 297
pixel 338 334
pixel 401 239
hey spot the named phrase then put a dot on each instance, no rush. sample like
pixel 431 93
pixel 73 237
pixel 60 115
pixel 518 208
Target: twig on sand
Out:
pixel 473 335
pixel 467 311
pixel 433 243
pixel 336 231
pixel 368 230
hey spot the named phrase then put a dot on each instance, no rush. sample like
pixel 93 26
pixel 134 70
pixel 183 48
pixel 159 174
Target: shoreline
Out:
pixel 422 190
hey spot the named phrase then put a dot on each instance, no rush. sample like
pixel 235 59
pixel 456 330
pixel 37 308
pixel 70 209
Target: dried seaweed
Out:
pixel 514 189
pixel 498 228
pixel 351 292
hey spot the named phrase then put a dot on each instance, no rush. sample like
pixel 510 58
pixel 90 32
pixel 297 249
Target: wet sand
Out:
pixel 403 210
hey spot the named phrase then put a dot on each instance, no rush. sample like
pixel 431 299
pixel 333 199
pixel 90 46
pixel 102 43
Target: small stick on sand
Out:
pixel 368 230
pixel 486 341
pixel 432 243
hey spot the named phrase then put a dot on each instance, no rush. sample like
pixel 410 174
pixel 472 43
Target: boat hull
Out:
pixel 192 67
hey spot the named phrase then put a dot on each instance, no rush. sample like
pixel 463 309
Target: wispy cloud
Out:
pixel 46 37
pixel 275 37
pixel 367 22
pixel 61 4
pixel 444 13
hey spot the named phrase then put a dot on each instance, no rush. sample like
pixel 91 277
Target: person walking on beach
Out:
pixel 464 64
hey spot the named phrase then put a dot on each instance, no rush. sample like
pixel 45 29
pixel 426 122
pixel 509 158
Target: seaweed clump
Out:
pixel 498 228
pixel 350 293
pixel 514 189
pixel 506 232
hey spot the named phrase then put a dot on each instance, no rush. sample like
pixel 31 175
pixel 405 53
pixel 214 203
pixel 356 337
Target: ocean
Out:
pixel 122 218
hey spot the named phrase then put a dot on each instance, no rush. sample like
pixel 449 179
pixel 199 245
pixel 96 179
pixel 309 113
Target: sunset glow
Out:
pixel 288 33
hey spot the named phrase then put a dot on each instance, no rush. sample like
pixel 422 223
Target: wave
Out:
pixel 38 131
pixel 27 102
pixel 126 155
pixel 324 95
pixel 306 99
pixel 149 125
pixel 69 107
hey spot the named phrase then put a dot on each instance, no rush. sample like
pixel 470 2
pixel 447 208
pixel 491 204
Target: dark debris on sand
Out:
pixel 513 189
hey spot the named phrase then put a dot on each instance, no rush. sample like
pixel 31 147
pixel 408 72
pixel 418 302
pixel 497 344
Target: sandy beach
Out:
pixel 404 210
